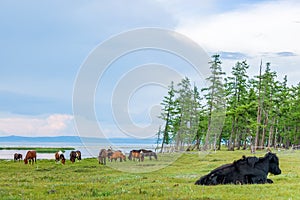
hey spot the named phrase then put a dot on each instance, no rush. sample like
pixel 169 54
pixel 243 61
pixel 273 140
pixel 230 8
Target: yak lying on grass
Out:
pixel 248 170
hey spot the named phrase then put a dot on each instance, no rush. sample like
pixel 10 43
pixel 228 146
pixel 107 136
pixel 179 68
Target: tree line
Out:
pixel 235 111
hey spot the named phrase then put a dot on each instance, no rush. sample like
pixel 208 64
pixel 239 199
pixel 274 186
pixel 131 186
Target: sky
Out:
pixel 45 44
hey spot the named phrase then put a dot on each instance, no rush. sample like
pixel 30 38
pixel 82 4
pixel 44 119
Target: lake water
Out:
pixel 89 149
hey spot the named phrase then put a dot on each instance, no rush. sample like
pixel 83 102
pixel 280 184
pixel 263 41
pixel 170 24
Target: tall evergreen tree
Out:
pixel 168 114
pixel 215 101
pixel 236 89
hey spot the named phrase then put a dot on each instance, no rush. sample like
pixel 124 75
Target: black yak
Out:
pixel 248 170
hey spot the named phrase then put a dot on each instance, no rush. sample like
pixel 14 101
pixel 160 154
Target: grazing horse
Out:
pixel 116 155
pixel 74 155
pixel 149 153
pixel 102 156
pixel 59 156
pixel 18 156
pixel 109 153
pixel 248 170
pixel 136 154
pixel 78 155
pixel 30 156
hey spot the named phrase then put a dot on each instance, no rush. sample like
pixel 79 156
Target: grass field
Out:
pixel 89 180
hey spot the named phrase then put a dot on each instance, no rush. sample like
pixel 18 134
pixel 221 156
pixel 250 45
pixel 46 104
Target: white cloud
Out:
pixel 52 125
pixel 264 27
pixel 266 30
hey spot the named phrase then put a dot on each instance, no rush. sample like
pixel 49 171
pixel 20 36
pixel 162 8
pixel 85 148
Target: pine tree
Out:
pixel 215 101
pixel 236 90
pixel 168 114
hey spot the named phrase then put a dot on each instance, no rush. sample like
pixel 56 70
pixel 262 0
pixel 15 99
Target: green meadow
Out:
pixel 89 180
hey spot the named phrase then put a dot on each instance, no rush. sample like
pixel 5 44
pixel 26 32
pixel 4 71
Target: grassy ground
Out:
pixel 39 149
pixel 89 180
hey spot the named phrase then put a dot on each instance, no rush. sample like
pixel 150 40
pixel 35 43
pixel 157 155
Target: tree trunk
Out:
pixel 258 119
pixel 231 139
pixel 271 134
pixel 239 139
pixel 262 143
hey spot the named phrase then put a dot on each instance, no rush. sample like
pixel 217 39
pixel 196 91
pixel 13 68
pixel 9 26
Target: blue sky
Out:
pixel 43 45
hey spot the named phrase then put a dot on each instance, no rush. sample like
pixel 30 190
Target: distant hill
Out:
pixel 76 139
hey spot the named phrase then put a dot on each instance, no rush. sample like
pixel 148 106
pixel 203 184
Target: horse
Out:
pixel 59 156
pixel 78 155
pixel 31 157
pixel 102 156
pixel 109 153
pixel 74 155
pixel 116 155
pixel 136 154
pixel 149 153
pixel 18 156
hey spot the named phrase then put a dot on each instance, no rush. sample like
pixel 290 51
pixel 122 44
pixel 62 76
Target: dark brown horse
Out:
pixel 59 156
pixel 102 156
pixel 78 155
pixel 74 155
pixel 30 157
pixel 18 156
pixel 136 154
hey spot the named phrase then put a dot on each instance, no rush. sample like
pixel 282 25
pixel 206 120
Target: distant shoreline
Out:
pixel 40 149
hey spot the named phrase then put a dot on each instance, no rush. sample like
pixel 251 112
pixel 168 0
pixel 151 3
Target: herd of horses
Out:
pixel 111 155
pixel 104 154
pixel 59 156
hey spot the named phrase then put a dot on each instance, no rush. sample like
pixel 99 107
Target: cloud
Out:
pixel 286 53
pixel 261 27
pixel 52 125
pixel 232 55
pixel 255 31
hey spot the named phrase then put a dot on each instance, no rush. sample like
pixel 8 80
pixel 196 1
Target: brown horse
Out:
pixel 74 155
pixel 59 156
pixel 18 156
pixel 78 155
pixel 136 154
pixel 102 156
pixel 116 155
pixel 31 157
